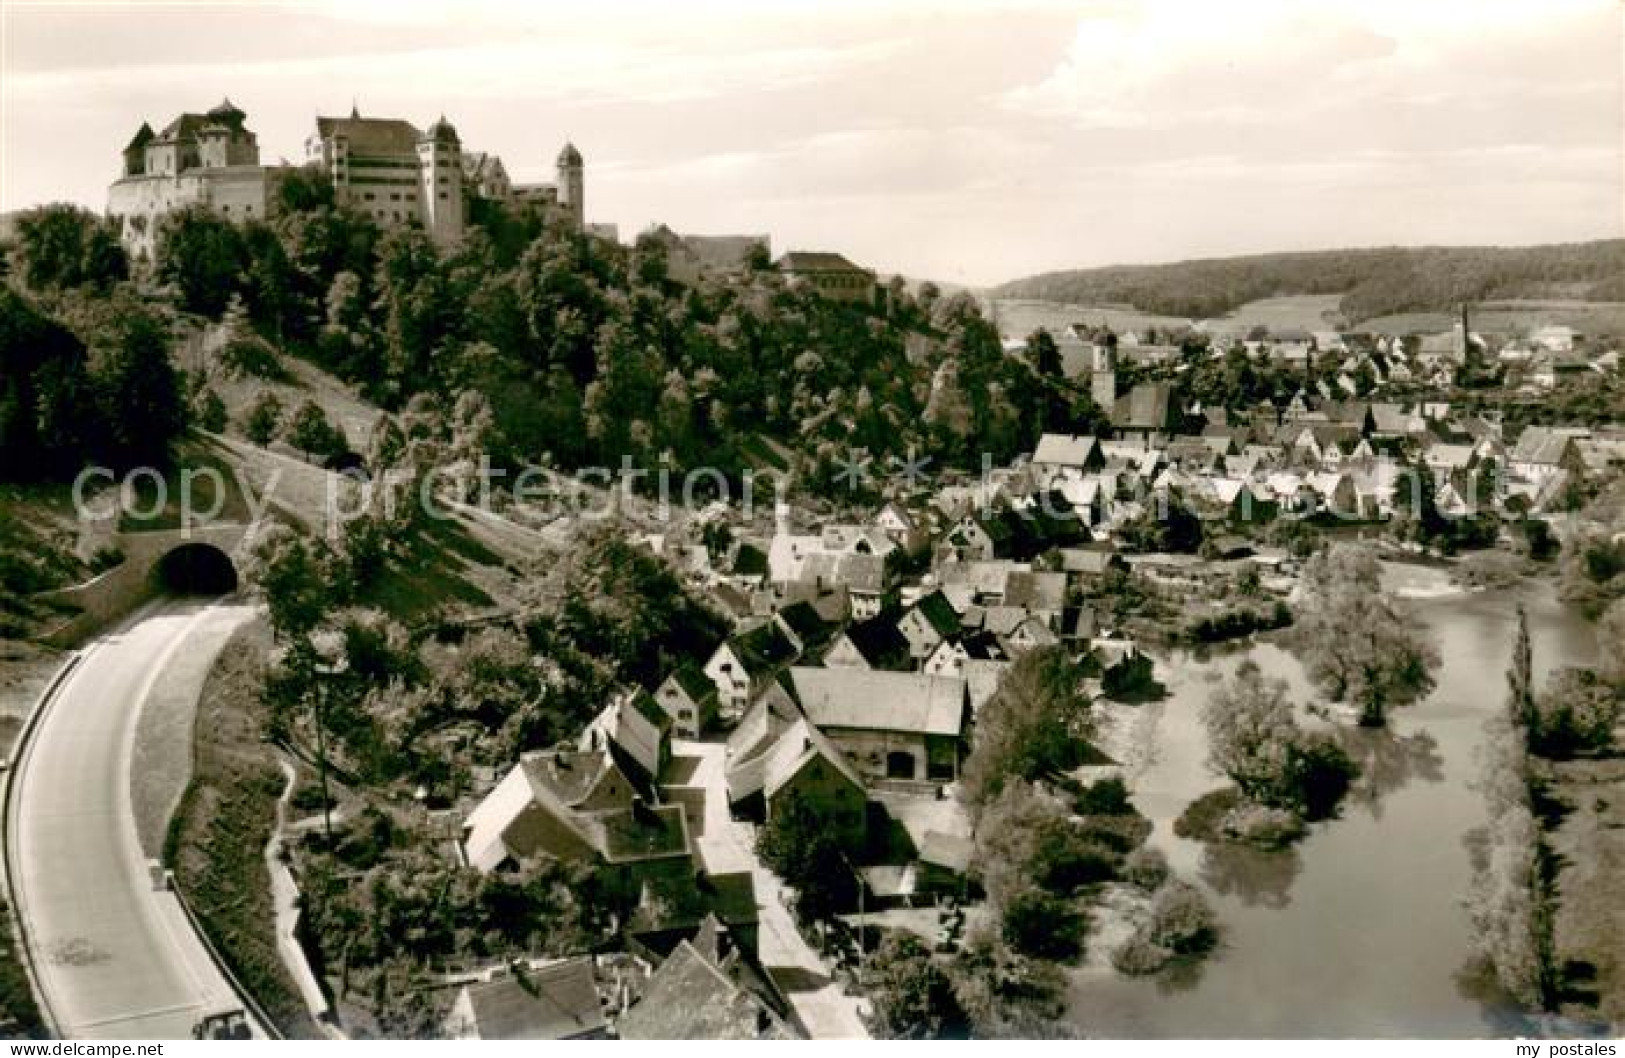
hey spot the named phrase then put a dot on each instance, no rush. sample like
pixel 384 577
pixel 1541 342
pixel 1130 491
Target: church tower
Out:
pixel 572 185
pixel 1103 376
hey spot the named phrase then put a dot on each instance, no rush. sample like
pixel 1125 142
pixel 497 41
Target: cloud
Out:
pixel 1166 64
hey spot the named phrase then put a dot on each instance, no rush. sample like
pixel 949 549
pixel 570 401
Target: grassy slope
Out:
pixel 217 839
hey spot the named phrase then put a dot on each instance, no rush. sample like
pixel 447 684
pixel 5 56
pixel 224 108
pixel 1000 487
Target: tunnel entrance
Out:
pixel 195 569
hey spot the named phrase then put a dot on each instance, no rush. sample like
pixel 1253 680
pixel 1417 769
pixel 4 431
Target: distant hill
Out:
pixel 1372 282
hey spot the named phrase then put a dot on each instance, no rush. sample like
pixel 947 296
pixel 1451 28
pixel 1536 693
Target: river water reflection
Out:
pixel 1359 930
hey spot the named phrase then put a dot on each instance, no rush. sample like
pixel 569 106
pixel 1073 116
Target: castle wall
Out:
pixel 141 202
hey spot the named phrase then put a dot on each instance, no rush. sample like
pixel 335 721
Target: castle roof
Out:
pixel 816 261
pixel 442 131
pixel 227 111
pixel 569 155
pixel 143 136
pixel 185 127
pixel 371 135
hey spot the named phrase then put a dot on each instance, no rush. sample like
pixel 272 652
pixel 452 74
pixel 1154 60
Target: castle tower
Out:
pixel 1103 376
pixel 572 185
pixel 440 194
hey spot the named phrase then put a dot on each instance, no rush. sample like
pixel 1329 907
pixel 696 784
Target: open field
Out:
pixel 1511 317
pixel 1020 317
pixel 1311 312
pixel 1316 312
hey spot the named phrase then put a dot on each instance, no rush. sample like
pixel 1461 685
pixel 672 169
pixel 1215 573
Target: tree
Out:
pixel 1575 713
pixel 1358 644
pixel 309 431
pixel 293 572
pixel 1043 354
pixel 63 246
pixel 795 845
pixel 1250 729
pixel 1254 738
pixel 1035 724
pixel 1520 676
pixel 139 393
pixel 913 996
pixel 263 419
pixel 48 419
pixel 203 255
pixel 208 410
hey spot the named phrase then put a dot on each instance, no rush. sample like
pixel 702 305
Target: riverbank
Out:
pixel 1359 929
pixel 1588 931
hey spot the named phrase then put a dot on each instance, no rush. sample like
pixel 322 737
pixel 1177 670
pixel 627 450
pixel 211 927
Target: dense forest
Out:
pixel 1374 282
pixel 564 349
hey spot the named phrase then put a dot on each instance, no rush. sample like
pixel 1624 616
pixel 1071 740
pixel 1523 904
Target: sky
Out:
pixel 960 140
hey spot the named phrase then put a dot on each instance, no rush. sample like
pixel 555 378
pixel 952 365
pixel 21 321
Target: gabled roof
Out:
pixel 1148 406
pixel 938 612
pixel 879 641
pixel 909 702
pixel 1541 445
pixel 1032 590
pixel 816 261
pixel 691 997
pixel 554 1002
pixel 1066 450
pixel 804 622
pixel 763 648
pixel 143 136
pixel 692 682
pixel 372 136
pixel 1093 561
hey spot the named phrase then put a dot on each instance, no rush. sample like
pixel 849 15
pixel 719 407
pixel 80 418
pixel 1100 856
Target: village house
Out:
pixel 573 806
pixel 706 989
pixel 873 644
pixel 552 1001
pixel 1543 453
pixel 927 623
pixel 891 725
pixel 742 664
pixel 689 698
pixel 803 763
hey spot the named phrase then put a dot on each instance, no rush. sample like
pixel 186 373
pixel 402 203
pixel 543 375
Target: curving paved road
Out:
pixel 115 957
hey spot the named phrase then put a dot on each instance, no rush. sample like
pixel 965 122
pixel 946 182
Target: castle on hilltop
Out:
pixel 385 168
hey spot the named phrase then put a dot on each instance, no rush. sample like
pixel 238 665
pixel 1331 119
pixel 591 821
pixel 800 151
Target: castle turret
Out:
pixel 135 155
pixel 441 165
pixel 572 184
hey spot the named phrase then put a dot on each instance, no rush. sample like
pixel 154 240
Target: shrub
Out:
pixel 250 356
pixel 1139 956
pixel 209 411
pixel 263 419
pixel 1181 919
pixel 1254 824
pixel 1108 797
pixel 1145 868
pixel 1043 924
pixel 1319 772
pixel 1575 713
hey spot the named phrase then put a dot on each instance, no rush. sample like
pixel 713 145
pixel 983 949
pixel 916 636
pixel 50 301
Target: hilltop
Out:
pixel 1370 282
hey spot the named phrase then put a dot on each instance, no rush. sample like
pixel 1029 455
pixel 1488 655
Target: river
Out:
pixel 1358 931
